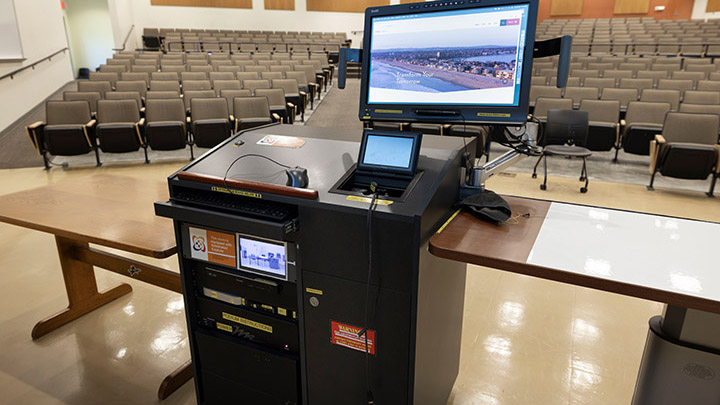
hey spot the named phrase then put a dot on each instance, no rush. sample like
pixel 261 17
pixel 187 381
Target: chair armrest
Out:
pixel 91 123
pixel 655 152
pixel 276 117
pixel 232 118
pixel 141 122
pixel 31 131
pixel 623 123
pixel 237 123
pixel 302 93
pixel 142 110
pixel 137 130
pixel 660 139
pixel 188 120
pixel 717 165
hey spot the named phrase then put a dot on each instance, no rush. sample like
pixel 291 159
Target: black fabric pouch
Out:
pixel 488 206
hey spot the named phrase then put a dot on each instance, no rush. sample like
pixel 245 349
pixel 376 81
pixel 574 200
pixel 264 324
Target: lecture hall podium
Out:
pixel 258 338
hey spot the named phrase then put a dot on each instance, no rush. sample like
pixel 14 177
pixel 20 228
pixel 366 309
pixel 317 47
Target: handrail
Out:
pixel 12 74
pixel 126 39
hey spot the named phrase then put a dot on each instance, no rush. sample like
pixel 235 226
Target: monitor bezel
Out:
pixel 448 113
pixel 390 170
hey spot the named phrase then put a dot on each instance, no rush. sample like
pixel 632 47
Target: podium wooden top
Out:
pixel 108 210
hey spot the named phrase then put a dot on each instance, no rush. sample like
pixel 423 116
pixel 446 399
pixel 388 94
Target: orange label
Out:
pixel 221 248
pixel 347 336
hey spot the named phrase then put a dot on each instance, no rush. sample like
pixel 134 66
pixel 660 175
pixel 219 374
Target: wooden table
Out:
pixel 654 257
pixel 106 210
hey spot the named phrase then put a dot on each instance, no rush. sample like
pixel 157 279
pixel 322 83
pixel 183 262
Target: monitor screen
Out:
pixel 388 151
pixel 263 256
pixel 466 59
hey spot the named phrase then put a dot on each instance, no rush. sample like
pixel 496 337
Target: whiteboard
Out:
pixel 10 45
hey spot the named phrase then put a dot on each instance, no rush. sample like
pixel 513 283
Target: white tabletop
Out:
pixel 664 253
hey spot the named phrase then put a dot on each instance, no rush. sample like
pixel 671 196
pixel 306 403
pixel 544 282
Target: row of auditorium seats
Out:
pixel 636 37
pixel 120 125
pixel 230 41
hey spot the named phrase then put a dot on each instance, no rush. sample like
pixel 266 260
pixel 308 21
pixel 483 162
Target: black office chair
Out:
pixel 565 135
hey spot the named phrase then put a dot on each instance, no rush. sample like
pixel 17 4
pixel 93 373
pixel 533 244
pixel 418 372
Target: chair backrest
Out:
pixel 242 76
pixel 67 112
pixel 135 76
pixel 229 69
pixel 209 108
pixel 544 91
pixel 256 68
pixel 566 127
pixel 543 104
pixel 705 128
pixel 599 82
pixel 100 87
pixel 222 75
pixel 602 110
pixel 193 76
pixel 289 86
pixel 276 97
pixel 701 97
pixel 196 85
pixel 280 68
pixel 188 95
pixel 251 107
pixel 255 84
pixel 272 75
pixel 652 74
pixel 694 76
pixel 580 93
pixel 160 94
pixel 143 68
pixel 91 97
pixel 646 112
pixel 663 96
pixel 624 96
pixel 675 84
pixel 173 68
pixel 639 84
pixel 111 77
pixel 117 111
pixel 132 85
pixel 226 84
pixel 230 95
pixel 700 108
pixel 300 76
pixel 201 68
pixel 165 110
pixel 125 95
pixel 172 76
pixel 113 68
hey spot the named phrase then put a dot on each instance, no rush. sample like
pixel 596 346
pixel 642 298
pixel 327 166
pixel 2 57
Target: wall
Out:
pixel 674 9
pixel 257 18
pixel 699 13
pixel 90 30
pixel 42 33
pixel 121 15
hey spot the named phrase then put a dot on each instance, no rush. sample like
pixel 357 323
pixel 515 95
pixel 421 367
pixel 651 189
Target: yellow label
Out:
pixel 247 322
pixel 313 291
pixel 389 111
pixel 448 221
pixel 294 315
pixel 282 311
pixel 268 307
pixel 368 200
pixel 222 326
pixel 213 294
pixel 493 114
pixel 236 192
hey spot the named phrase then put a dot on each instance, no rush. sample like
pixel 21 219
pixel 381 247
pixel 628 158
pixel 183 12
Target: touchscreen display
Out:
pixel 263 256
pixel 462 57
pixel 389 151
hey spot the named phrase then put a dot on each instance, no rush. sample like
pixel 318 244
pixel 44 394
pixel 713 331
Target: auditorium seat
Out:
pixel 165 125
pixel 219 85
pixel 544 104
pixel 127 95
pixel 132 85
pixel 110 77
pixel 210 121
pixel 196 85
pixel 99 87
pixel 164 85
pixel 293 94
pixel 188 95
pixel 250 112
pixel 118 128
pixel 134 76
pixel 663 96
pixel 229 96
pixel 91 97
pixel 277 102
pixel 642 121
pixel 604 129
pixel 691 155
pixel 157 94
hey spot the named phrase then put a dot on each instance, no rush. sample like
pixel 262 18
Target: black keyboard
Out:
pixel 246 206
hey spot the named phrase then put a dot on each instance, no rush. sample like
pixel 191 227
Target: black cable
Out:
pixel 250 155
pixel 364 331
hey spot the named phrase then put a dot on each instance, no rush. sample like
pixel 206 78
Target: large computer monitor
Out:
pixel 466 61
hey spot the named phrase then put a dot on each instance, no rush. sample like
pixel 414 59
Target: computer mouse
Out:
pixel 297 177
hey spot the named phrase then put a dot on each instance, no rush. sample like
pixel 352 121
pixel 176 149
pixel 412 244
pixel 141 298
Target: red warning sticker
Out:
pixel 347 336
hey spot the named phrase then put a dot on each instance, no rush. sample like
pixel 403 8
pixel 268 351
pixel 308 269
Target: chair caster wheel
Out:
pixel 583 189
pixel 534 176
pixel 543 187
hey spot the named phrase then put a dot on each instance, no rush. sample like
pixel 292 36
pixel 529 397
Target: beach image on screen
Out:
pixel 453 57
pixel 267 257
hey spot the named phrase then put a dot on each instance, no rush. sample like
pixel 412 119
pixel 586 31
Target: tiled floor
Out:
pixel 525 341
